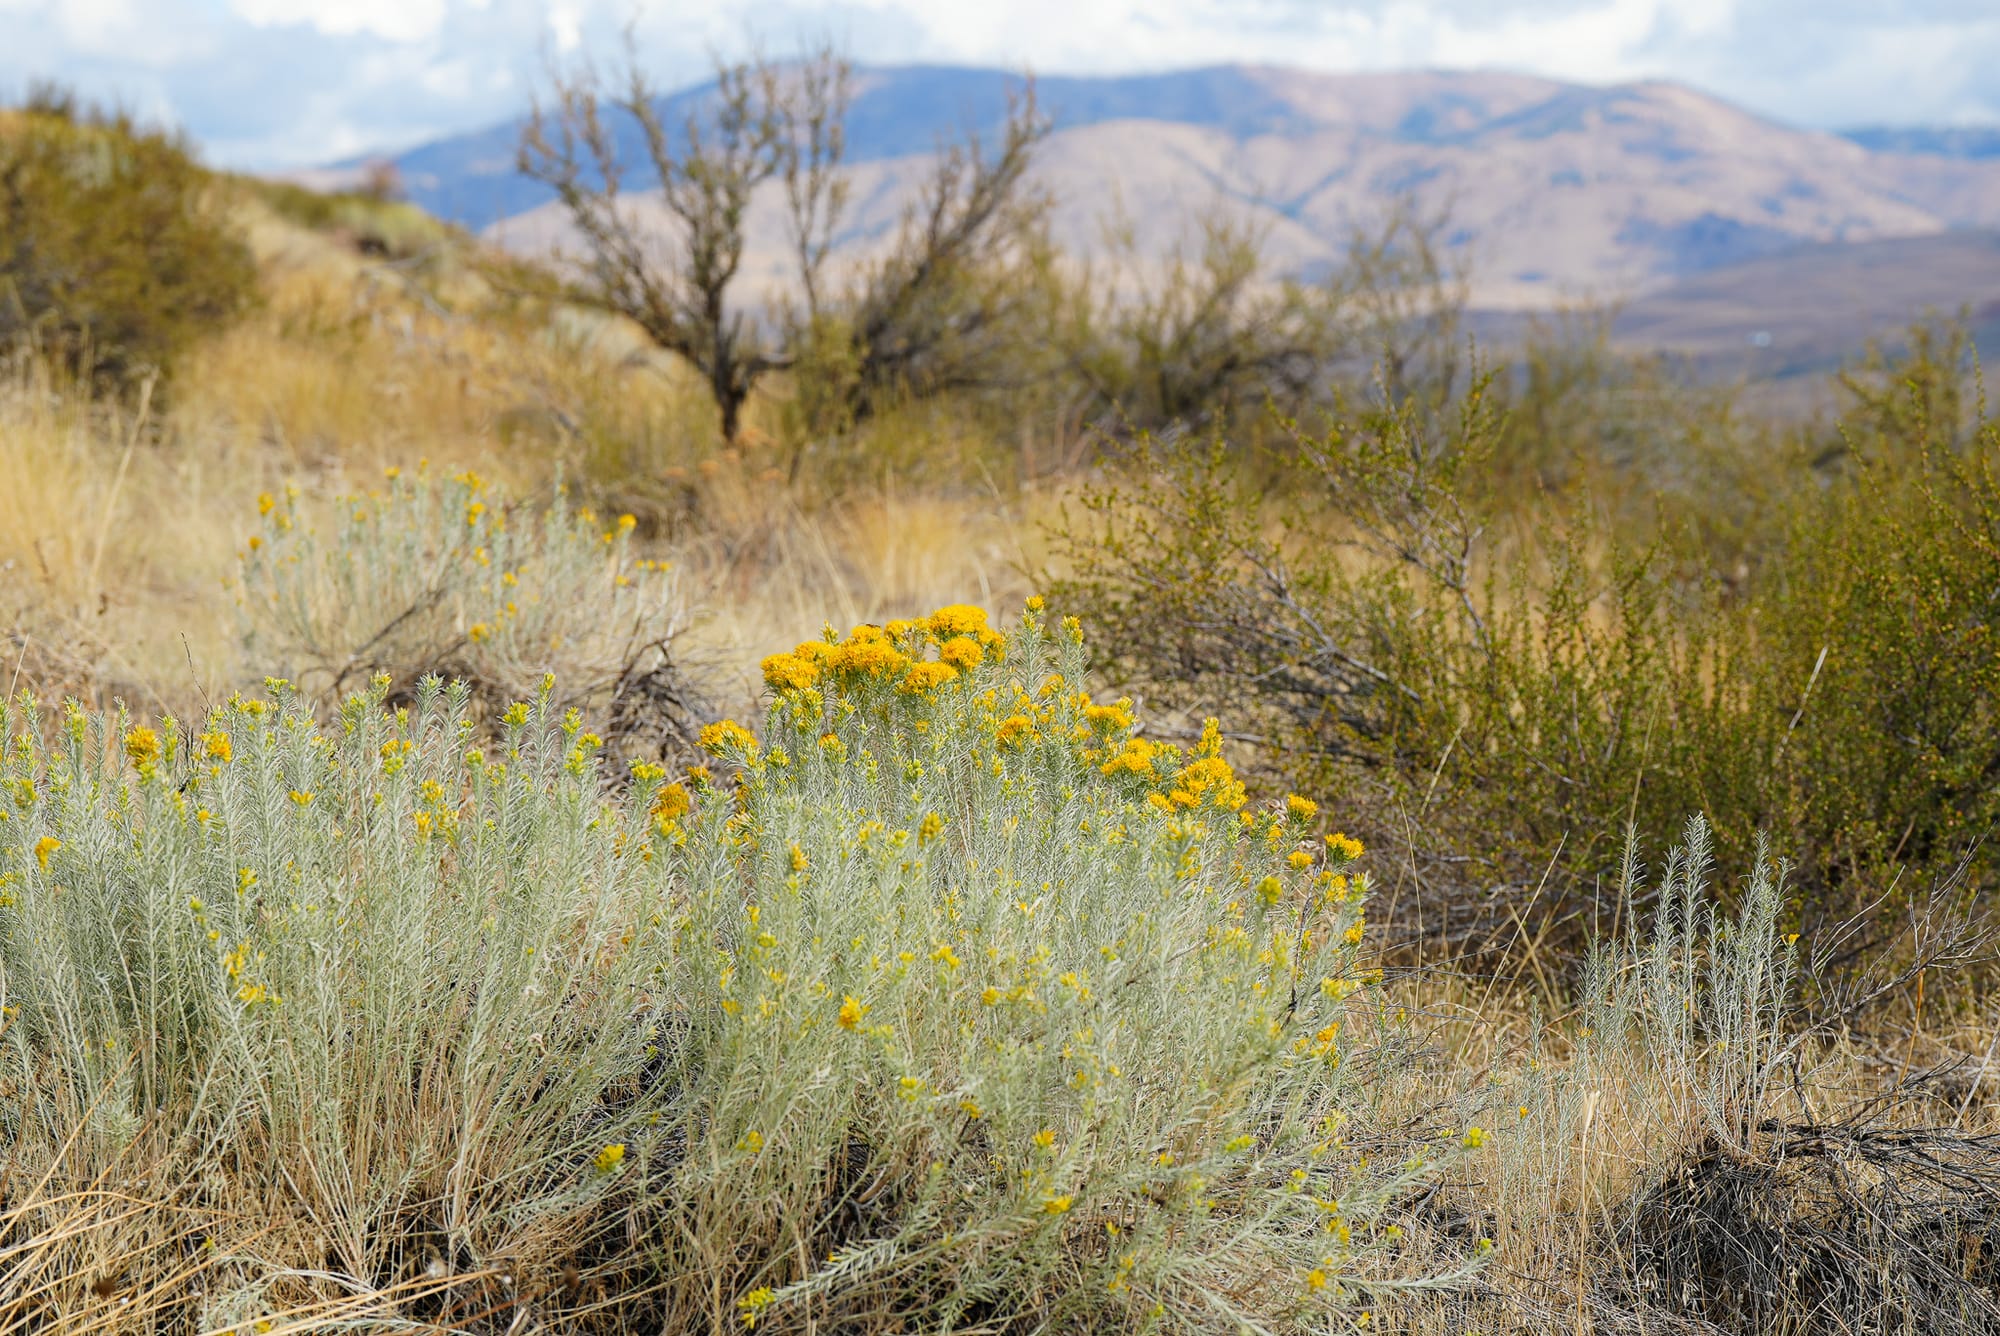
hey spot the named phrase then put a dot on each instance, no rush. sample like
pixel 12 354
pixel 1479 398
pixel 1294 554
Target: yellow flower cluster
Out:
pixel 789 672
pixel 868 658
pixel 671 803
pixel 962 652
pixel 142 746
pixel 726 737
pixel 926 676
pixel 1135 758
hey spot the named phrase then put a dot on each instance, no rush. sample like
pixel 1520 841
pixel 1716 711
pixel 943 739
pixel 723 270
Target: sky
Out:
pixel 274 84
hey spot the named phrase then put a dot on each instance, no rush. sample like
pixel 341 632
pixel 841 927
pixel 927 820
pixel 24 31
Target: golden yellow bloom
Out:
pixel 45 846
pixel 751 1305
pixel 798 858
pixel 962 652
pixel 1305 809
pixel 1109 718
pixel 1345 847
pixel 789 672
pixel 1045 1138
pixel 925 677
pixel 1014 730
pixel 1136 759
pixel 957 619
pixel 852 1009
pixel 265 503
pixel 216 746
pixel 868 658
pixel 1211 778
pixel 627 523
pixel 302 797
pixel 1036 603
pixel 609 1158
pixel 929 828
pixel 1299 859
pixel 946 957
pixel 1474 1138
pixel 671 803
pixel 1056 1203
pixel 726 736
pixel 750 1142
pixel 1315 1279
pixel 142 745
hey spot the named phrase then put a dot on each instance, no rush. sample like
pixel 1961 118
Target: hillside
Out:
pixel 1555 191
pixel 1807 310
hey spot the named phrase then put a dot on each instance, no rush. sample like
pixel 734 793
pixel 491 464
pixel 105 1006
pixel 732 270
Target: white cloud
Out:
pixel 390 20
pixel 566 25
pixel 276 82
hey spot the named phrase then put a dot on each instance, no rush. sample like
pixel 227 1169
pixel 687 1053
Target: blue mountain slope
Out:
pixel 472 179
pixel 1970 142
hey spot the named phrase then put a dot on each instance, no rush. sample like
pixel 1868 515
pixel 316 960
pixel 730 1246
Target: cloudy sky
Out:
pixel 278 83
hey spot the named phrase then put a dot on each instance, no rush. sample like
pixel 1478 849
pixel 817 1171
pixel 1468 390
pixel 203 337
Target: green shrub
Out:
pixel 116 248
pixel 372 221
pixel 949 1002
pixel 1492 697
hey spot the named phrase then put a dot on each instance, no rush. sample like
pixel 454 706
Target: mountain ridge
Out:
pixel 1556 191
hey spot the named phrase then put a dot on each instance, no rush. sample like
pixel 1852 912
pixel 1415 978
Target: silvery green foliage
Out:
pixel 433 576
pixel 908 1008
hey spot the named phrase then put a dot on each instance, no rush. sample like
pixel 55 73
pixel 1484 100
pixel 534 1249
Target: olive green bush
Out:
pixel 1490 688
pixel 116 247
pixel 945 1003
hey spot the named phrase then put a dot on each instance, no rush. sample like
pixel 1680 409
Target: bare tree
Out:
pixel 928 315
pixel 677 292
pixel 813 117
pixel 934 313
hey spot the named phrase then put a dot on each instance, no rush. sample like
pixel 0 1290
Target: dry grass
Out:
pixel 352 365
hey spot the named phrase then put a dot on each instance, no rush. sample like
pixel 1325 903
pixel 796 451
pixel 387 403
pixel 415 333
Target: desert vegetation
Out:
pixel 984 795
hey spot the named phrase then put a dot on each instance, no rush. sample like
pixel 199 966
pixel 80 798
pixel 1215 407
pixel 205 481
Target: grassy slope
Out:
pixel 124 524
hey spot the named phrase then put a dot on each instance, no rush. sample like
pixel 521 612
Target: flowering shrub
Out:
pixel 945 999
pixel 436 576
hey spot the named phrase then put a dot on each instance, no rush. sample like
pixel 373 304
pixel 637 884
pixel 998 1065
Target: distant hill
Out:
pixel 1949 142
pixel 1809 310
pixel 1555 191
